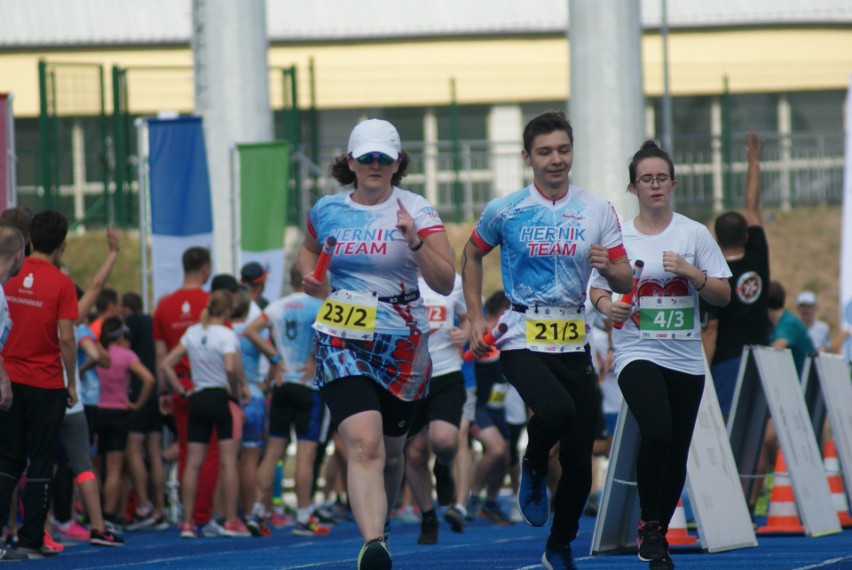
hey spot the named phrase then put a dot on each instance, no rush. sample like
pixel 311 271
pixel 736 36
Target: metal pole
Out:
pixel 44 134
pixel 142 172
pixel 668 141
pixel 314 122
pixel 105 161
pixel 12 158
pixel 727 146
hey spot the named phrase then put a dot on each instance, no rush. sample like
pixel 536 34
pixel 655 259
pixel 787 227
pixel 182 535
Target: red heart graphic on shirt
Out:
pixel 677 287
pixel 650 288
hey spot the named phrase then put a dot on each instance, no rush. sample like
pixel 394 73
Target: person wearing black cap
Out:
pixel 224 281
pixel 253 276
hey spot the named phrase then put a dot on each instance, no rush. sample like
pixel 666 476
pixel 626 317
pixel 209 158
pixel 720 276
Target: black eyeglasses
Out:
pixel 371 157
pixel 647 180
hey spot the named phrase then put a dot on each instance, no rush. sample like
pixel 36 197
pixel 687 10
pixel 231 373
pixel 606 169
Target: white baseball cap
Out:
pixel 806 298
pixel 374 135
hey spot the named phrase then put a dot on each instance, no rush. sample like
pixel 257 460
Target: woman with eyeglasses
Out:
pixel 658 357
pixel 372 330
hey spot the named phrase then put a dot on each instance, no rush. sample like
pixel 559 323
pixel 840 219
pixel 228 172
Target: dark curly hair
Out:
pixel 339 170
pixel 48 230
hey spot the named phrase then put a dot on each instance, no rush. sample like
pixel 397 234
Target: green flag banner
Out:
pixel 264 169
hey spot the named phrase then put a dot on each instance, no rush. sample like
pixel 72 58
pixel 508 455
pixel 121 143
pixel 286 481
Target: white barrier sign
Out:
pixel 778 381
pixel 836 390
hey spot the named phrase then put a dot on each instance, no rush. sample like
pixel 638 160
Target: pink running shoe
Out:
pixel 74 531
pixel 52 544
pixel 279 520
pixel 234 528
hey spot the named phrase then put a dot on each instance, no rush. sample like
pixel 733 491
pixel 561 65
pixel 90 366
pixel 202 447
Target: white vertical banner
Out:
pixel 846 243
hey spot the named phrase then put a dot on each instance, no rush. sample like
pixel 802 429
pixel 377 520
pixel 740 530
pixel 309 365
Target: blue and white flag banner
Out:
pixel 181 212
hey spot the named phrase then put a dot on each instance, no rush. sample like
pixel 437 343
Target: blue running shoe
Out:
pixel 559 558
pixel 532 495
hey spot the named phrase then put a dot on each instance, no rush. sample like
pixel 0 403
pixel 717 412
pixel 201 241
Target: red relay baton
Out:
pixel 324 258
pixel 638 266
pixel 490 338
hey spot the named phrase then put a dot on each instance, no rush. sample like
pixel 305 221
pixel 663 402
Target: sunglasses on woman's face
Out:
pixel 371 157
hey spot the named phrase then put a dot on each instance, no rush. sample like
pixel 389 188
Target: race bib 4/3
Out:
pixel 668 318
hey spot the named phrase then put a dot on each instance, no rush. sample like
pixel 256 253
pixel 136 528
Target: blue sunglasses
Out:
pixel 371 157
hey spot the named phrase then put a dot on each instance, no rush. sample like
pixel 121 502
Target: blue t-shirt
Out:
pixel 292 318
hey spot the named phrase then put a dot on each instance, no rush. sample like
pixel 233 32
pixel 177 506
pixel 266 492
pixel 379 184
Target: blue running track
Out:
pixel 483 546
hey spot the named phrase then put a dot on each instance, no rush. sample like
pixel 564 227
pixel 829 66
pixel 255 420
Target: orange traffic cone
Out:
pixel 783 516
pixel 677 534
pixel 835 483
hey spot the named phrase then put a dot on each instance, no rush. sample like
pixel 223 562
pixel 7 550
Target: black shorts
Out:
pixel 112 429
pixel 445 402
pixel 148 419
pixel 209 409
pixel 298 408
pixel 487 417
pixel 351 395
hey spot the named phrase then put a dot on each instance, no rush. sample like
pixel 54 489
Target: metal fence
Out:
pixel 798 170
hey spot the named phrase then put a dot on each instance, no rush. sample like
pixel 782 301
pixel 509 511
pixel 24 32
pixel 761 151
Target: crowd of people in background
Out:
pixel 361 374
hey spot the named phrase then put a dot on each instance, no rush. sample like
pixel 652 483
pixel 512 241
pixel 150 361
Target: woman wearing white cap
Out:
pixel 372 331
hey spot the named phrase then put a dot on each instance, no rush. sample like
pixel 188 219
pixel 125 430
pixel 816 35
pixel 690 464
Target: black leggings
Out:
pixel 665 405
pixel 29 436
pixel 562 392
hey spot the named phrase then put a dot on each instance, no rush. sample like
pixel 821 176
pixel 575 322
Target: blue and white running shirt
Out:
pixel 544 248
pixel 371 254
pixel 292 318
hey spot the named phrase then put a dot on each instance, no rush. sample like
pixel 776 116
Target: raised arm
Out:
pixel 754 148
pixel 84 305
